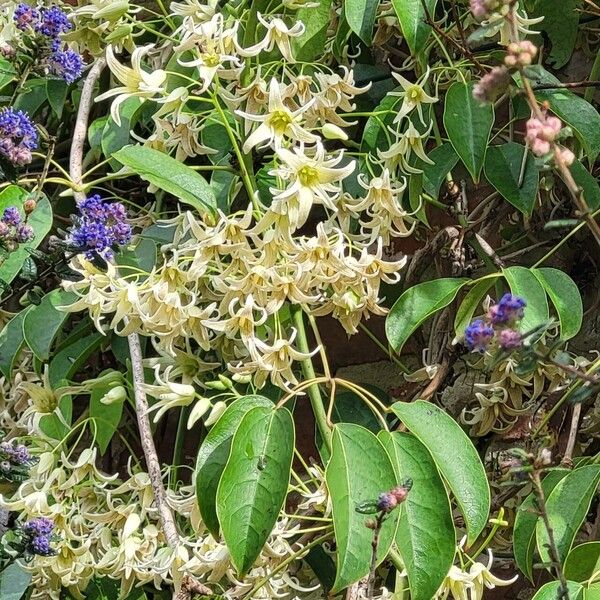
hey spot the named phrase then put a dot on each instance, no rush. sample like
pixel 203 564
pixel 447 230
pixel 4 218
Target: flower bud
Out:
pixel 29 205
pixel 113 12
pixel 333 132
pixel 217 410
pixel 115 395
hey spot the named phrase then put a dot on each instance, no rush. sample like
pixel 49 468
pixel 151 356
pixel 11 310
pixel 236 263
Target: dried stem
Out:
pixel 575 416
pixel 374 544
pixel 563 592
pixel 81 126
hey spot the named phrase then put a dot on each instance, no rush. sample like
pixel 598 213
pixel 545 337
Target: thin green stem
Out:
pixel 178 450
pixel 308 371
pixel 383 347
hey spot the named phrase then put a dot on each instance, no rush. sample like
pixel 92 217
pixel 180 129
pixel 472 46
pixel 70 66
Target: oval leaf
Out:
pixel 358 471
pixel 425 537
pixel 524 283
pixel 525 520
pixel 455 457
pixel 583 562
pixel 503 165
pixel 471 302
pixel 468 124
pixel 11 342
pixel 415 305
pixel 567 506
pixel 254 483
pixel 170 175
pixel 213 455
pixel 412 17
pixel 549 591
pixel 360 15
pixel 14 582
pixel 44 321
pixel 565 296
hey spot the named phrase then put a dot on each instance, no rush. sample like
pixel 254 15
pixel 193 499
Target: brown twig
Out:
pixel 566 84
pixel 374 544
pixel 575 416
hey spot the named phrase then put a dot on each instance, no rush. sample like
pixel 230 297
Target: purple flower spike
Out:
pixel 66 64
pixel 25 16
pixel 508 311
pixel 53 22
pixel 509 339
pixel 478 336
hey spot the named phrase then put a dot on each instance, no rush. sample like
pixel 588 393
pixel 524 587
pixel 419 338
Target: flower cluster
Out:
pixel 541 135
pixel 100 227
pixel 388 501
pixel 52 22
pixel 66 64
pixel 500 323
pixel 18 136
pixel 37 536
pixel 18 454
pixel 13 231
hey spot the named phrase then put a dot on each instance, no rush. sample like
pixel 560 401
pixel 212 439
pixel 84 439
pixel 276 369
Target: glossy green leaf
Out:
pixel 416 304
pixel 56 90
pixel 360 15
pixel 170 175
pixel 70 359
pixel 583 562
pixel 567 506
pixel 115 137
pixel 412 17
pixel 41 222
pixel 58 424
pixel 445 159
pixel 254 483
pixel 425 537
pixel 358 471
pixel 455 457
pixel 549 591
pixel 14 582
pixel 470 304
pixel 588 183
pixel 576 112
pixel 375 134
pixel 525 521
pixel 213 455
pixel 44 321
pixel 524 283
pixel 311 44
pixel 11 342
pixel 106 416
pixel 560 24
pixel 7 72
pixel 590 593
pixel 503 168
pixel 566 298
pixel 468 124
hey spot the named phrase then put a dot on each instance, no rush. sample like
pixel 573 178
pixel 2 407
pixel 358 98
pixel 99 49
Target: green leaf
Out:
pixel 311 44
pixel 588 183
pixel 375 134
pixel 360 15
pixel 14 582
pixel 455 457
pixel 58 424
pixel 56 90
pixel 7 72
pixel 358 471
pixel 41 222
pixel 591 593
pixel 44 321
pixel 468 124
pixel 567 506
pixel 470 303
pixel 106 416
pixel 213 455
pixel 445 159
pixel 503 166
pixel 524 283
pixel 412 17
pixel 11 342
pixel 583 562
pixel 550 590
pixel 565 296
pixel 170 175
pixel 425 537
pixel 415 305
pixel 576 112
pixel 115 137
pixel 254 483
pixel 560 24
pixel 525 520
pixel 69 360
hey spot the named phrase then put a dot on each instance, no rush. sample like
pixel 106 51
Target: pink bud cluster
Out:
pixel 492 85
pixel 483 9
pixel 520 54
pixel 541 135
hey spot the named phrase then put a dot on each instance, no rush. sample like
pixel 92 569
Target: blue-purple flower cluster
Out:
pixel 500 324
pixel 38 536
pixel 18 136
pixel 12 228
pixel 51 22
pixel 17 454
pixel 100 227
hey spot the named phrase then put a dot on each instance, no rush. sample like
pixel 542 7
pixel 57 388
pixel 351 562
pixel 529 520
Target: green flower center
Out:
pixel 308 176
pixel 280 121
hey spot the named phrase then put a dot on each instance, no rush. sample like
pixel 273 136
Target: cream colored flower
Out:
pixel 413 96
pixel 195 11
pixel 278 34
pixel 168 393
pixel 407 143
pixel 482 578
pixel 279 123
pixel 136 81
